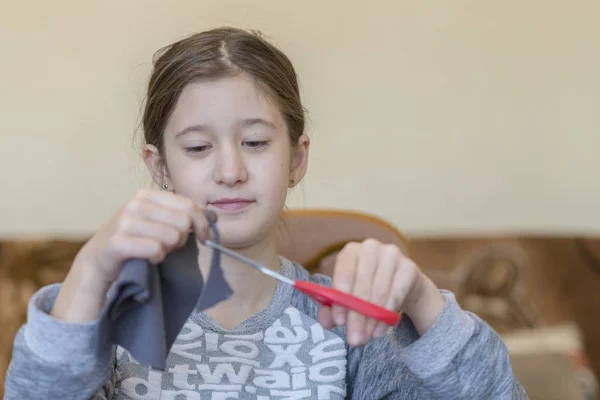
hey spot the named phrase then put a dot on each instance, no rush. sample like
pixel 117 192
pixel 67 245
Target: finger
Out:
pixel 187 206
pixel 367 265
pixel 169 236
pixel 167 199
pixel 381 328
pixel 339 315
pixel 343 277
pixel 148 210
pixel 325 317
pixel 382 282
pixel 126 247
pixel 198 216
pixel 200 222
pixel 403 282
pixel 185 217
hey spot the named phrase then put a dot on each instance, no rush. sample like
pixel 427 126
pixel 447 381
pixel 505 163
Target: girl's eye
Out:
pixel 197 149
pixel 256 144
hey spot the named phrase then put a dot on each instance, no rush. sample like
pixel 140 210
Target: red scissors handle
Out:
pixel 329 296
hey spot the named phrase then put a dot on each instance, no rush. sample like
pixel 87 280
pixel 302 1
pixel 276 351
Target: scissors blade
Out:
pixel 248 261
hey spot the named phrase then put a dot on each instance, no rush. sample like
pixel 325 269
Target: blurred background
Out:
pixel 472 128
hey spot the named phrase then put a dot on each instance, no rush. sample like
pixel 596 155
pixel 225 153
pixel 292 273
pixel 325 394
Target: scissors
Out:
pixel 324 295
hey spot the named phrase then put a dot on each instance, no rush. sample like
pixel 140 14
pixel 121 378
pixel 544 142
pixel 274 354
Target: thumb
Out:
pixel 201 222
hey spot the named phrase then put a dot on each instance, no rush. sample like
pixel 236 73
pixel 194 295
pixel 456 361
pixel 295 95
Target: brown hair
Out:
pixel 216 54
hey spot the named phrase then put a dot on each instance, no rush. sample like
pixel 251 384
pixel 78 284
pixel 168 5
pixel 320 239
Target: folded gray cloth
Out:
pixel 148 305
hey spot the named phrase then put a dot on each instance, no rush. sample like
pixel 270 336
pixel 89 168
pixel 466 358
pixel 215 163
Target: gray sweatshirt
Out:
pixel 280 353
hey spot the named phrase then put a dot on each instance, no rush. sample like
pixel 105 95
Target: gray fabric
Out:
pixel 148 305
pixel 281 352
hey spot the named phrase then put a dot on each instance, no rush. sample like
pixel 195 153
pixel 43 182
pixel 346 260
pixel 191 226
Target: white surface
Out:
pixel 443 117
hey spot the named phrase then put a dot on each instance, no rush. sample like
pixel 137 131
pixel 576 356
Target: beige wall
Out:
pixel 445 117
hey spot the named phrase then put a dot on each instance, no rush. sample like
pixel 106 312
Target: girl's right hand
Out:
pixel 151 224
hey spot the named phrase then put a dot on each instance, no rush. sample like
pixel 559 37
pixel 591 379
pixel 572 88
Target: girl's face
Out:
pixel 226 146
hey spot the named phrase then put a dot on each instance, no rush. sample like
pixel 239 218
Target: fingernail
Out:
pixel 380 331
pixel 339 318
pixel 355 337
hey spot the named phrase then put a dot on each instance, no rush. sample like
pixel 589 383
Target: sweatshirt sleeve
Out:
pixel 459 357
pixel 52 359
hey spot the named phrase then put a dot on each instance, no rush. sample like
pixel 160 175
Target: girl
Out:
pixel 224 131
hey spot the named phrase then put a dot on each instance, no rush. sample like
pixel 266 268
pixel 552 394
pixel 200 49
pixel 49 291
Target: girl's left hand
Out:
pixel 381 274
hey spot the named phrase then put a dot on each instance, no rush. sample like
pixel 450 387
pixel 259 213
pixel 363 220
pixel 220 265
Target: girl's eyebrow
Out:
pixel 258 121
pixel 193 128
pixel 247 122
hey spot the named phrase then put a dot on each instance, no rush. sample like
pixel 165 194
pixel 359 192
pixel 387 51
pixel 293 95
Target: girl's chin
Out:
pixel 240 237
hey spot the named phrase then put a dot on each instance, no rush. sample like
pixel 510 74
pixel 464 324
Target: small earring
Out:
pixel 291 181
pixel 165 186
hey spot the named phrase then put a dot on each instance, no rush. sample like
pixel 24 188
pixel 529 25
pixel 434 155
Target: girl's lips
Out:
pixel 231 204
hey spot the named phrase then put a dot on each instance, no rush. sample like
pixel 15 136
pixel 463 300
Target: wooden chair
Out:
pixel 312 237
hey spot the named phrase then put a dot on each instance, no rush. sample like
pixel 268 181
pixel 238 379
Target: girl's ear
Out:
pixel 156 166
pixel 299 160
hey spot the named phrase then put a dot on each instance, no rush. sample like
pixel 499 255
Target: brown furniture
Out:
pixel 553 279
